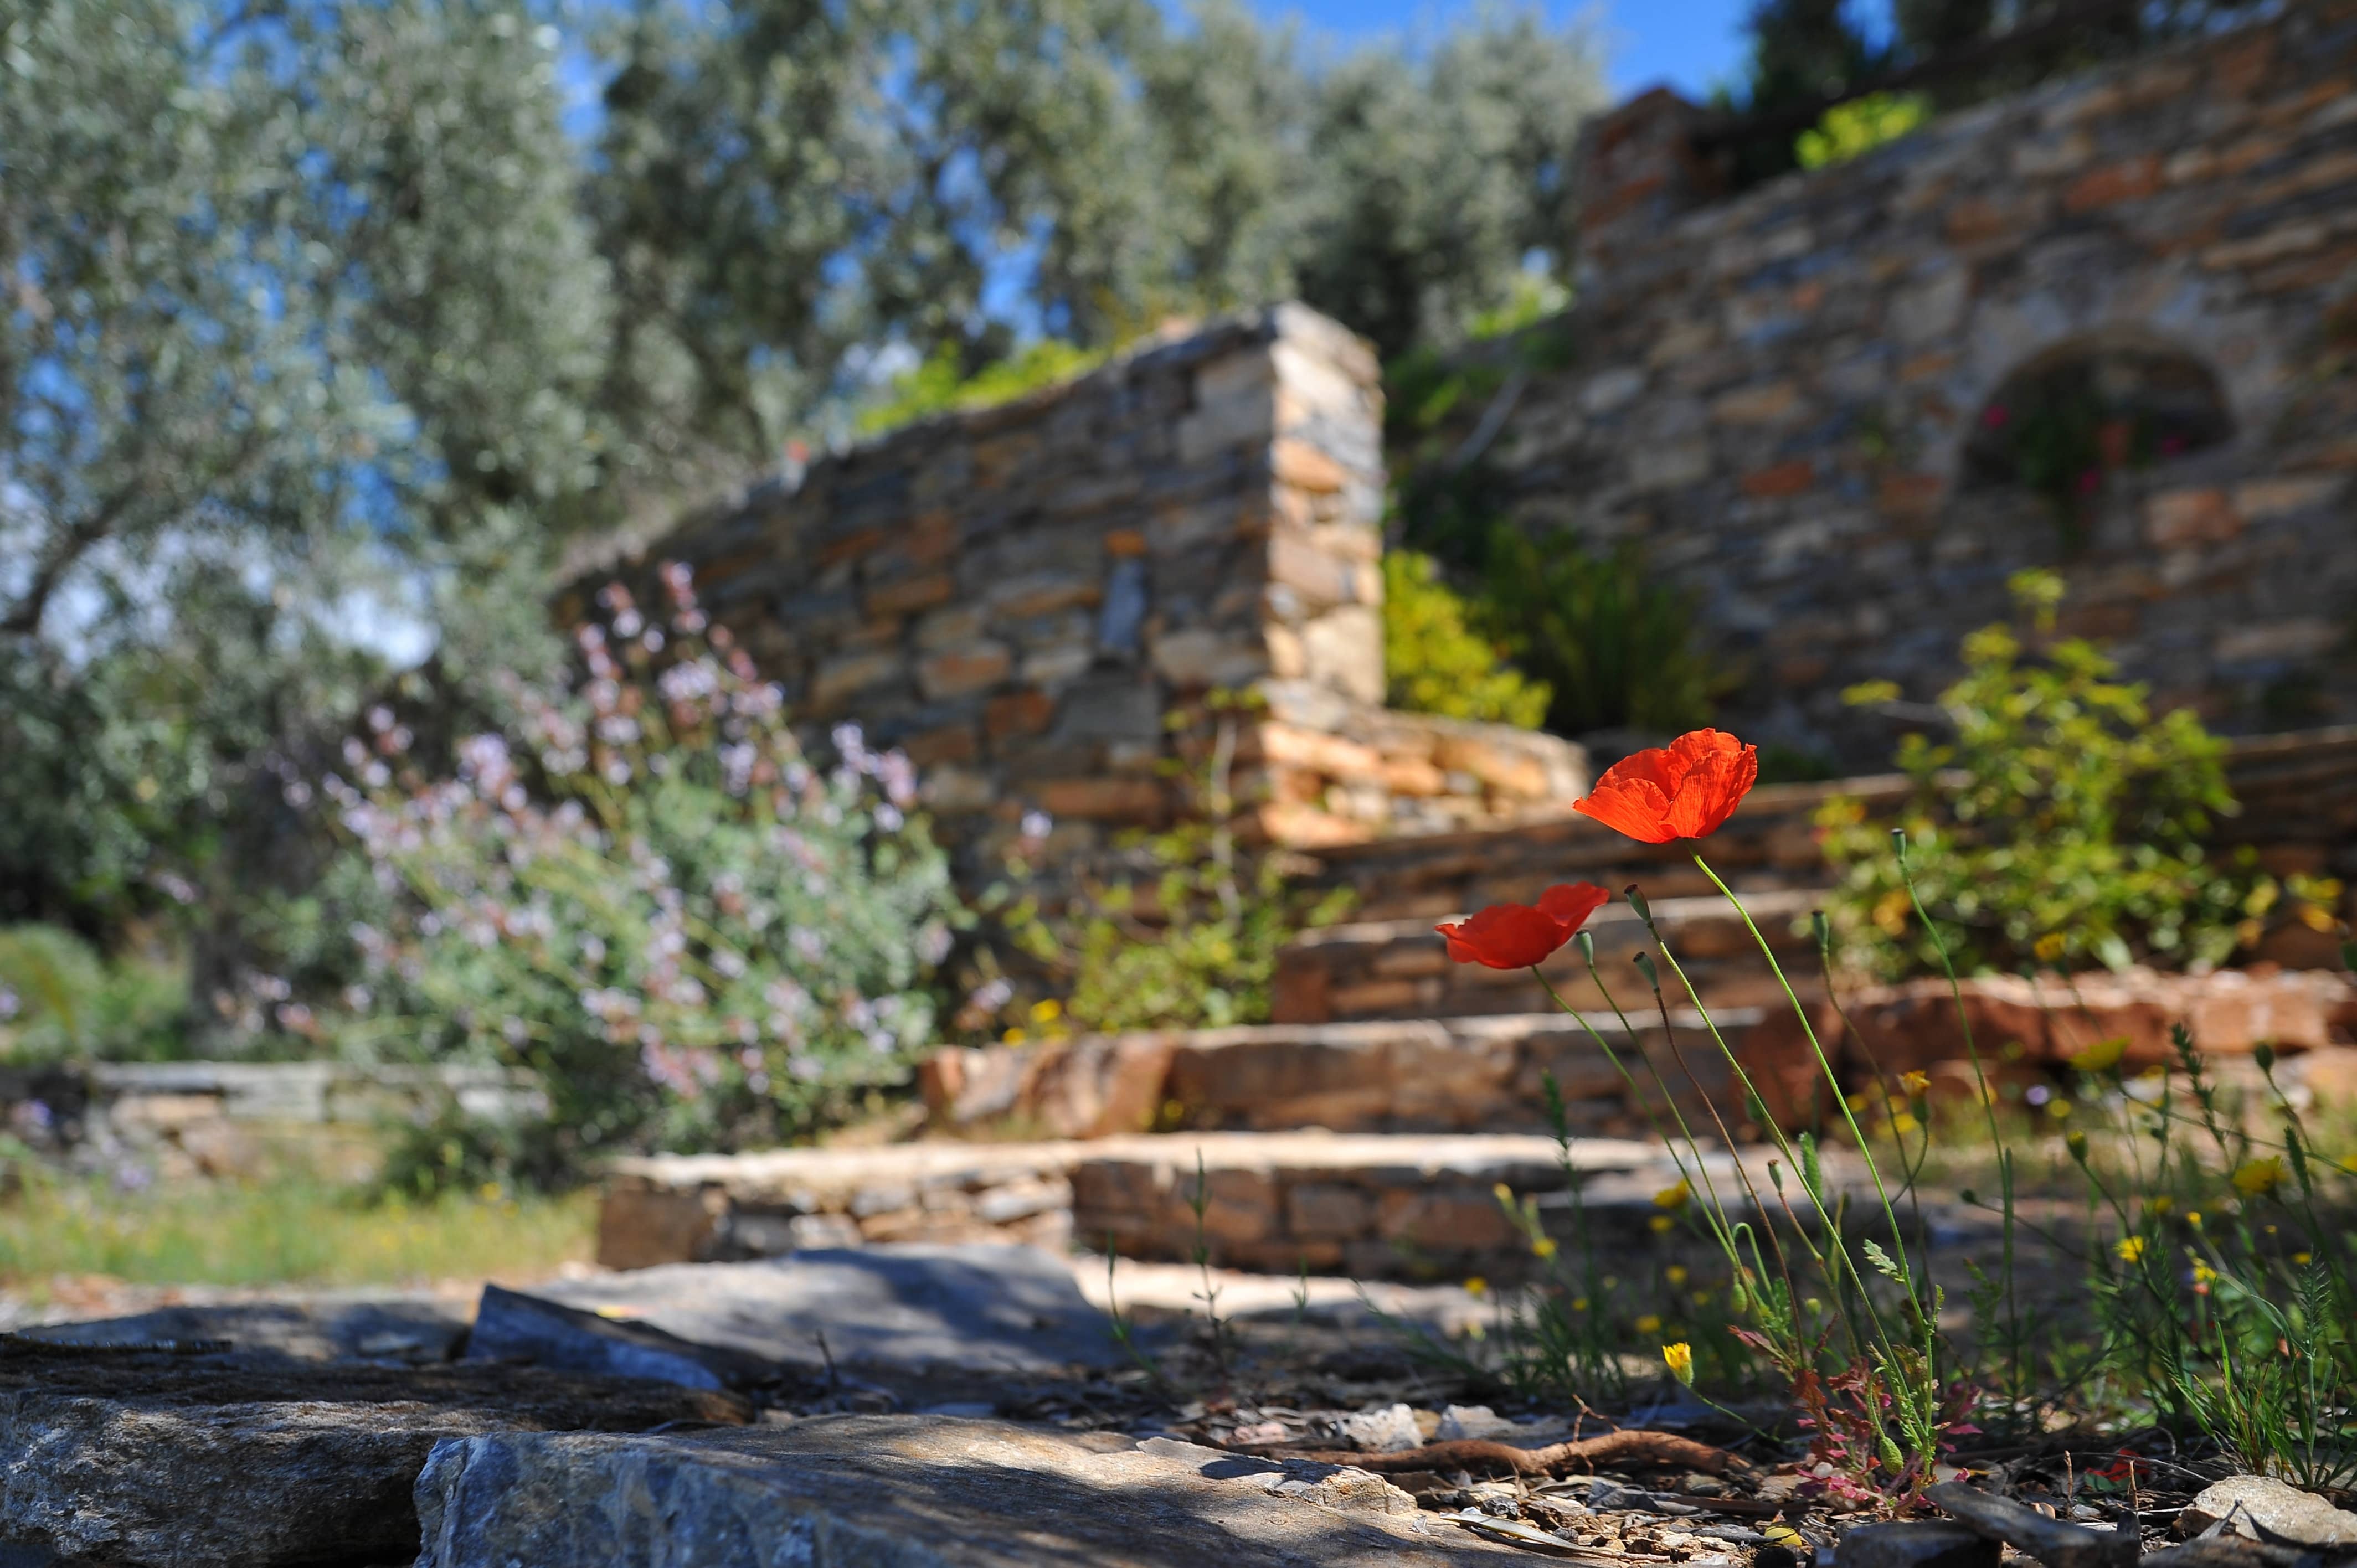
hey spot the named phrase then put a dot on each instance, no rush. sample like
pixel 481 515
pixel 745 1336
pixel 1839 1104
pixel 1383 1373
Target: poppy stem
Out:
pixel 1890 1212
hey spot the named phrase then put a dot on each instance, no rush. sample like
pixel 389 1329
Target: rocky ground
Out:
pixel 970 1406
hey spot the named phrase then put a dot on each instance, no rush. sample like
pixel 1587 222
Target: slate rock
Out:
pixel 1385 1431
pixel 140 1459
pixel 1934 1543
pixel 848 1491
pixel 2031 1533
pixel 975 1307
pixel 512 1327
pixel 415 1329
pixel 2267 1509
pixel 1343 1486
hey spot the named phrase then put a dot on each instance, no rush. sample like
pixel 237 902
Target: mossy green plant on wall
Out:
pixel 1436 660
pixel 1852 130
pixel 941 385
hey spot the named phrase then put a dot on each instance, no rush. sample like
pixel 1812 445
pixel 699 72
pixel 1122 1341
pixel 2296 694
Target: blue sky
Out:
pixel 1691 44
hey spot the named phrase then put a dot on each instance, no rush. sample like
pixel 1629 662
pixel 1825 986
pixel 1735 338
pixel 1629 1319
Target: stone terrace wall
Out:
pixel 2298 795
pixel 1023 597
pixel 1774 392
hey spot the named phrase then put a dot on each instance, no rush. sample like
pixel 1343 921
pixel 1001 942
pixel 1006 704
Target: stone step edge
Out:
pixel 1091 1086
pixel 792 1173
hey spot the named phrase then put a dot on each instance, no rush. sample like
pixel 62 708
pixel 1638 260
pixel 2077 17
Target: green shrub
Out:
pixel 2063 825
pixel 1434 662
pixel 1615 649
pixel 1186 941
pixel 693 935
pixel 59 999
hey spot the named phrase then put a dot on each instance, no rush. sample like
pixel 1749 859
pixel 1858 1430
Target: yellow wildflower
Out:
pixel 1477 1285
pixel 2193 1218
pixel 2101 1055
pixel 1679 1358
pixel 2256 1178
pixel 2303 1259
pixel 2159 1204
pixel 1649 1324
pixel 1674 1198
pixel 1046 1011
pixel 1544 1246
pixel 1676 1274
pixel 1579 1303
pixel 1012 1038
pixel 1916 1084
pixel 1904 1123
pixel 2049 947
pixel 1662 1223
pixel 2130 1249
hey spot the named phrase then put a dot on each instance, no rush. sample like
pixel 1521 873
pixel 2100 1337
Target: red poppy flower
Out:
pixel 1684 790
pixel 1516 936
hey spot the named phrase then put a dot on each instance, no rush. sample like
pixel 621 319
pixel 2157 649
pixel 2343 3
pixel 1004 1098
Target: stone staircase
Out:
pixel 1365 1130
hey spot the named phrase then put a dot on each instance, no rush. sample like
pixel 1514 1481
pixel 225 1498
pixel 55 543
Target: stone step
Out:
pixel 1371 1206
pixel 1458 1074
pixel 1394 969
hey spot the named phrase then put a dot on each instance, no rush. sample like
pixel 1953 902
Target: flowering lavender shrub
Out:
pixel 649 895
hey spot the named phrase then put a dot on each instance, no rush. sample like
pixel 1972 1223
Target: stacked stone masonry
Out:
pixel 1776 392
pixel 1031 601
pixel 1372 1207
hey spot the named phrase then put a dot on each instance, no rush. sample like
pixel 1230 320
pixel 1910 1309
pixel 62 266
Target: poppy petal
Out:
pixel 1636 806
pixel 1505 935
pixel 1572 902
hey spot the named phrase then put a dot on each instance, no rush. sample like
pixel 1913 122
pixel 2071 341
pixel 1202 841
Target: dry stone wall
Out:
pixel 1031 601
pixel 1780 393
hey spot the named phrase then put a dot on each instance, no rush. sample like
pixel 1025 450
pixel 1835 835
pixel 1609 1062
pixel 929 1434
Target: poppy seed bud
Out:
pixel 1637 902
pixel 1898 843
pixel 1644 961
pixel 1587 948
pixel 1824 932
pixel 2265 1055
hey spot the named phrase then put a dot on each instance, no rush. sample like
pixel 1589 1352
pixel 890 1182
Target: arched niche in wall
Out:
pixel 2069 423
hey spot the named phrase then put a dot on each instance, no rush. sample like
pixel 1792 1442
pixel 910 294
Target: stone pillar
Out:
pixel 1637 169
pixel 1022 597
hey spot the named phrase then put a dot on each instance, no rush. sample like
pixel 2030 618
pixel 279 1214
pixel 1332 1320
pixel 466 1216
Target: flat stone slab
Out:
pixel 910 1492
pixel 137 1458
pixel 974 1308
pixel 420 1329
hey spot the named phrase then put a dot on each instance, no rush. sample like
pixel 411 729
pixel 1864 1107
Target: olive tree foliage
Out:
pixel 300 335
pixel 1432 180
pixel 779 183
pixel 782 185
